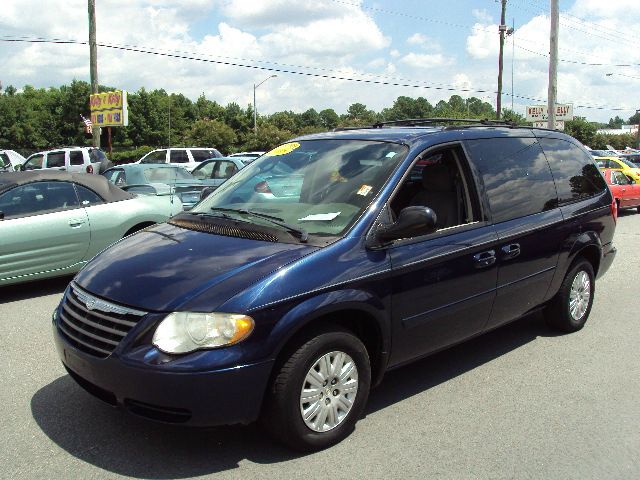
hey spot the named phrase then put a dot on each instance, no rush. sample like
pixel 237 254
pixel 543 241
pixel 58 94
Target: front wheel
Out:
pixel 319 392
pixel 570 308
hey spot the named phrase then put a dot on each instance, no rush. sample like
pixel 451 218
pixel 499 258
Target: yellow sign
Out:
pixel 109 109
pixel 283 149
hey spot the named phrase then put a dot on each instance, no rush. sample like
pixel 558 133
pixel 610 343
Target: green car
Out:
pixel 52 223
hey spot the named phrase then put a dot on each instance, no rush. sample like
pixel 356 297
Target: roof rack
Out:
pixel 430 121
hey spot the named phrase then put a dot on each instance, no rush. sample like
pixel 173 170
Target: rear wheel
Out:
pixel 570 308
pixel 319 392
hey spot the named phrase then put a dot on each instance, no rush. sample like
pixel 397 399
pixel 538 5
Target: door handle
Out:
pixel 485 259
pixel 510 251
pixel 76 223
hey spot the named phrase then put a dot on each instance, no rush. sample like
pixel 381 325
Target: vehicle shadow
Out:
pixel 35 289
pixel 126 445
pixel 409 380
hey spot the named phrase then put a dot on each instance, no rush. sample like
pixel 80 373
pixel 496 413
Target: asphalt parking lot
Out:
pixel 520 402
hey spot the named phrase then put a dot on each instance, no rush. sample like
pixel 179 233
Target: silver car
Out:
pixel 52 223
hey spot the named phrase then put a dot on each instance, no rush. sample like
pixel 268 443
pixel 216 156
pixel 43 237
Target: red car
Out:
pixel 625 191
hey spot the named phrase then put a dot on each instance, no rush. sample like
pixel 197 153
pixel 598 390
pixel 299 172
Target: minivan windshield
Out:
pixel 318 186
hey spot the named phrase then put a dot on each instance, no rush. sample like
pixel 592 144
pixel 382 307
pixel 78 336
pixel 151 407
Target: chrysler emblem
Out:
pixel 91 303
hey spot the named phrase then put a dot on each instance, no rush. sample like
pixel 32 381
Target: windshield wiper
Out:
pixel 221 212
pixel 299 232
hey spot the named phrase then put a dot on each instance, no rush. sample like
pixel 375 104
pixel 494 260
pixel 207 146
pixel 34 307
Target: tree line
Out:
pixel 39 119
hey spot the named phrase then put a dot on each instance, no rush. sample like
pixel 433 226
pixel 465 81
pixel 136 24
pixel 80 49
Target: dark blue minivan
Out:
pixel 392 243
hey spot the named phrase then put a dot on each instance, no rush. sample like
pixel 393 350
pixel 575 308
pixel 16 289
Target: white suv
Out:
pixel 189 157
pixel 70 159
pixel 10 160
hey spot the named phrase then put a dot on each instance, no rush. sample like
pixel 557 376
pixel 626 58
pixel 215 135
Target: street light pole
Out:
pixel 255 114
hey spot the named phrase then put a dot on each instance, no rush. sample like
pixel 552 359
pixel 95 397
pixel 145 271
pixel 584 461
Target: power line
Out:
pixel 192 57
pixel 577 62
pixel 598 34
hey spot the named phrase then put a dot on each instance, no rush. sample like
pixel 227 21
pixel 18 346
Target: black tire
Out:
pixel 282 413
pixel 558 313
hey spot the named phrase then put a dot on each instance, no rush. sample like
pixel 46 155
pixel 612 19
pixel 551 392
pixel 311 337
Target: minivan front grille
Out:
pixel 93 325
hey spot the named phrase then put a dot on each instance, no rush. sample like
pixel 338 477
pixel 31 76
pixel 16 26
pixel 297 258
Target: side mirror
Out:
pixel 206 192
pixel 20 168
pixel 412 222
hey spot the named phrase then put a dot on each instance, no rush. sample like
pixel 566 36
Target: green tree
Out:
pixel 329 118
pixel 212 133
pixel 616 122
pixel 268 137
pixel 582 130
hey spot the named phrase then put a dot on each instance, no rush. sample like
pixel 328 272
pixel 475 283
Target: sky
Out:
pixel 428 48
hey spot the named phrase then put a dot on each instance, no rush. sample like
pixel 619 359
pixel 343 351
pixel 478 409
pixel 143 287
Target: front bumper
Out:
pixel 219 397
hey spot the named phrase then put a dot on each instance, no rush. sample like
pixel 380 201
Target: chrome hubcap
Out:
pixel 328 391
pixel 580 295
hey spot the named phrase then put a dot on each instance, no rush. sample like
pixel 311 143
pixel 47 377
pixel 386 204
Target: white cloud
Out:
pixel 269 13
pixel 420 60
pixel 482 15
pixel 483 41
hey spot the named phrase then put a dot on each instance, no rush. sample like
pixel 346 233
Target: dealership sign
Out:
pixel 559 124
pixel 540 113
pixel 109 109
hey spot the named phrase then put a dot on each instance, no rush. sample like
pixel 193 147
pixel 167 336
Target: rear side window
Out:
pixel 155 157
pixel 55 159
pixel 200 155
pixel 516 176
pixel 178 156
pixel 88 197
pixel 76 158
pixel 574 171
pixel 4 160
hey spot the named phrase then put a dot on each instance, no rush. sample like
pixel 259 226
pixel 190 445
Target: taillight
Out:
pixel 89 168
pixel 262 187
pixel 614 210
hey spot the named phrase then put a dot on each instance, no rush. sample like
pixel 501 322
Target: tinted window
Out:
pixel 178 156
pixel 516 176
pixel 76 157
pixel 88 197
pixel 55 159
pixel 574 171
pixel 200 155
pixel 36 198
pixel 155 157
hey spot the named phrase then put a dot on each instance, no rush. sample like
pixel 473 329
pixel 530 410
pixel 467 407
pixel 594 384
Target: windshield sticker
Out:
pixel 283 149
pixel 319 217
pixel 364 190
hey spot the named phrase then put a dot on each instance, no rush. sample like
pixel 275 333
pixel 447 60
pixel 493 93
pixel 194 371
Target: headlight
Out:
pixel 183 332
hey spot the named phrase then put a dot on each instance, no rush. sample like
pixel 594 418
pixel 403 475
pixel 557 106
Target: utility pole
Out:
pixel 93 62
pixel 502 28
pixel 553 64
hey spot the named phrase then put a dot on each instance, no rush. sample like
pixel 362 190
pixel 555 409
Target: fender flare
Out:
pixel 308 311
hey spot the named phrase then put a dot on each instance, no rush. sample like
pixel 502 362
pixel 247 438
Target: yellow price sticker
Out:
pixel 283 149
